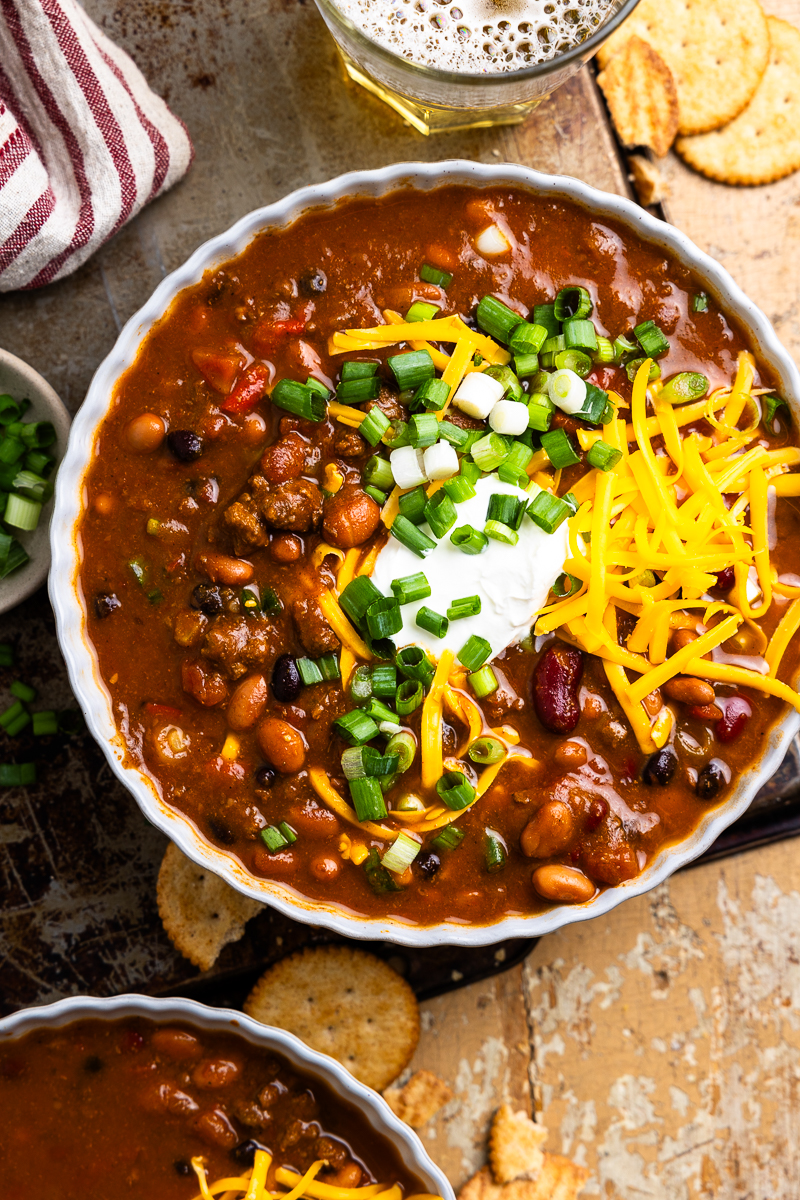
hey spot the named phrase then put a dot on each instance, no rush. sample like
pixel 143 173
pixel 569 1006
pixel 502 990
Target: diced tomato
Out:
pixel 736 714
pixel 604 376
pixel 268 334
pixel 248 391
pixel 162 710
pixel 218 369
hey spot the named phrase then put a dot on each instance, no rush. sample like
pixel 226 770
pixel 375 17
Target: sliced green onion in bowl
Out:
pixel 402 852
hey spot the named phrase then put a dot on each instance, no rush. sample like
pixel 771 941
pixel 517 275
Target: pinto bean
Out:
pixel 653 703
pixel 350 517
pixel 555 687
pixel 348 1176
pixel 285 459
pixel 215 1128
pixel 683 637
pixel 247 702
pixel 325 867
pixel 215 1073
pixel 222 568
pixel 688 690
pixel 570 755
pixel 282 745
pixel 549 831
pixel 565 885
pixel 285 548
pixel 175 1043
pixel 145 433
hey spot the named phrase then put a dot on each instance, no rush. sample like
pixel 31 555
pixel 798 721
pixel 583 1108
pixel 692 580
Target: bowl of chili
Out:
pixel 167 1093
pixel 607 783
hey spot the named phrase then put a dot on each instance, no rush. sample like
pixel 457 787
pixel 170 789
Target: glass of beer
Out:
pixel 467 64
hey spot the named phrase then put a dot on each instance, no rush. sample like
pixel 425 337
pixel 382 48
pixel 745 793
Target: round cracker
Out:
pixel 199 911
pixel 763 143
pixel 345 1003
pixel 717 52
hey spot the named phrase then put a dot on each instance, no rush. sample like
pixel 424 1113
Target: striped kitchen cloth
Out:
pixel 84 142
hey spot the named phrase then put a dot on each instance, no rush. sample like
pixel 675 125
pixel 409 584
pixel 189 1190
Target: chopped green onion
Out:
pixel 566 585
pixel 474 652
pixel 527 339
pixel 412 538
pixel 432 622
pixel 496 318
pixel 403 745
pixel 423 430
pixel 401 854
pixel 459 489
pixel 573 360
pixel 361 683
pixel 34 486
pixel 500 532
pixel 545 315
pixel 548 511
pixel 579 334
pixel 361 762
pixel 771 406
pixel 356 598
pixel 410 695
pixel 412 505
pixel 367 799
pixel 21 512
pixel 432 395
pixel 412 368
pixel 410 588
pixel 379 879
pixel 413 662
pixel 12 555
pixel 355 727
pixel 651 339
pixel 594 406
pixel 379 711
pixel 486 750
pixel 526 365
pixel 483 682
pixel 688 385
pixel 603 456
pixel 429 274
pixel 270 601
pixel 376 494
pixel 469 469
pixel 511 385
pixel 448 838
pixel 374 426
pixel 490 451
pixel 440 513
pixel 453 434
pixel 558 447
pixel 250 600
pixel 41 464
pixel 605 350
pixel 540 412
pixel 622 347
pixel 396 435
pixel 384 617
pixel 466 606
pixel 11 449
pixel 571 302
pixel 10 715
pixel 358 370
pixel 22 691
pixel 494 850
pixel 508 509
pixel 469 540
pixel 384 679
pixel 328 665
pixel 422 311
pixel 646 578
pixel 454 790
pixel 632 369
pixel 299 399
pixel 274 838
pixel 700 302
pixel 38 434
pixel 358 391
pixel 19 724
pixel 9 410
pixel 554 345
pixel 17 774
pixel 309 671
pixel 6 654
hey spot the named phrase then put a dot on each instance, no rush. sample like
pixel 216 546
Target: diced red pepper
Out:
pixel 162 710
pixel 218 369
pixel 248 391
pixel 736 714
pixel 268 334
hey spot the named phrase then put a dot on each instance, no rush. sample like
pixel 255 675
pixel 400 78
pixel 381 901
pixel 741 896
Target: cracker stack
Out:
pixel 723 77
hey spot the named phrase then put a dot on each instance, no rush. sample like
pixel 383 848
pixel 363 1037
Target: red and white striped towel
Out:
pixel 84 142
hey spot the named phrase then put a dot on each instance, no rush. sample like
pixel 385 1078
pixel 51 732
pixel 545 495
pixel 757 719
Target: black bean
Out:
pixel 709 781
pixel 105 603
pixel 185 444
pixel 286 681
pixel 428 863
pixel 221 831
pixel 93 1064
pixel 208 598
pixel 660 767
pixel 265 775
pixel 313 283
pixel 182 1167
pixel 244 1154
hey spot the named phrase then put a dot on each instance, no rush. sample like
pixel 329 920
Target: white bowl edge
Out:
pixel 65 590
pixel 369 1103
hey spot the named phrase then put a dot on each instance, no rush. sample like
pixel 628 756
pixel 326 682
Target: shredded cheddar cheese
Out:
pixel 252 1185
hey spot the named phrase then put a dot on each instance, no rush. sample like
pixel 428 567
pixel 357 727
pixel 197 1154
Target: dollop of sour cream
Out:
pixel 513 582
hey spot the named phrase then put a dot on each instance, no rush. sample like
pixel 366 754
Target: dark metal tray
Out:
pixel 78 867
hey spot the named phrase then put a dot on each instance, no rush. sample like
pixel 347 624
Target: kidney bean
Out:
pixel 660 767
pixel 350 517
pixel 215 1128
pixel 176 1101
pixel 705 712
pixel 216 1072
pixel 286 683
pixel 549 831
pixel 596 813
pixel 736 714
pixel 555 687
pixel 725 579
pixel 247 702
pixel 175 1043
pixel 570 755
pixel 565 885
pixel 285 459
pixel 710 781
pixel 222 568
pixel 145 433
pixel 282 745
pixel 688 690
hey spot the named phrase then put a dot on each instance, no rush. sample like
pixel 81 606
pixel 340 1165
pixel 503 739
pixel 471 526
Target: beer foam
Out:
pixel 477 36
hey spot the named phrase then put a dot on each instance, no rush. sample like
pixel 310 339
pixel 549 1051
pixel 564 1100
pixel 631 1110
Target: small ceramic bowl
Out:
pixel 19 380
pixel 371 1107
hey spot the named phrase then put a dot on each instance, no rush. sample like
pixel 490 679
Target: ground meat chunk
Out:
pixel 243 521
pixel 313 630
pixel 206 687
pixel 237 644
pixel 349 445
pixel 296 505
pixel 389 405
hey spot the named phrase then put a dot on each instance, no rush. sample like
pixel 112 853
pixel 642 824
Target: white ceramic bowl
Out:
pixel 22 382
pixel 372 1107
pixel 69 608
